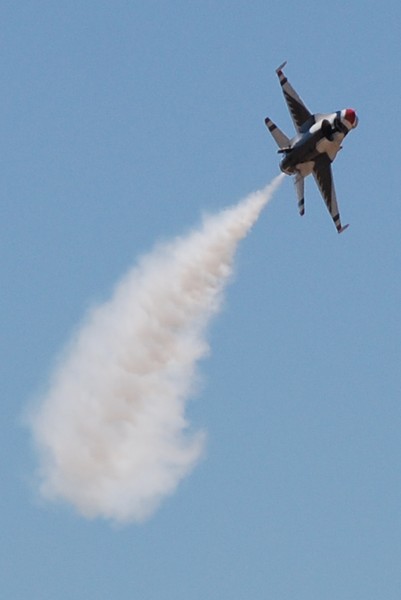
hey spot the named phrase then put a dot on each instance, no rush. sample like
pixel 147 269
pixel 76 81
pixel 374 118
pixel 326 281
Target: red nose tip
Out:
pixel 350 115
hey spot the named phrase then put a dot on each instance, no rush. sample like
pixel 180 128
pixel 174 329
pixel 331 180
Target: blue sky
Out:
pixel 122 123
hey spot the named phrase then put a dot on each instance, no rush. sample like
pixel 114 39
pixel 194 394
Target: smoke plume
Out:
pixel 111 430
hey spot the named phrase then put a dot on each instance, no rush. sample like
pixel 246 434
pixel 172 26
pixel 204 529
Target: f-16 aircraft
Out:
pixel 315 146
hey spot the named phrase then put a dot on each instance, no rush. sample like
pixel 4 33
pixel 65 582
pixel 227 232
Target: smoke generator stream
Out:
pixel 111 430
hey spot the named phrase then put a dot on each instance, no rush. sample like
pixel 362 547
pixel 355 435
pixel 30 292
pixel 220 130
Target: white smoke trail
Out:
pixel 111 430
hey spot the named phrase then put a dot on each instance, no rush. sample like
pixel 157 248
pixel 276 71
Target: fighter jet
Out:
pixel 315 146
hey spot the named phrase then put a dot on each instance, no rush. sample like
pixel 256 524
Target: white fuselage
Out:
pixel 324 135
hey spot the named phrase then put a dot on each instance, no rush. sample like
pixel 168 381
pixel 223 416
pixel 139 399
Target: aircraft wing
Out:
pixel 324 179
pixel 299 113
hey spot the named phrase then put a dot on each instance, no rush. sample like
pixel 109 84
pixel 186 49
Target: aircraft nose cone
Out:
pixel 351 117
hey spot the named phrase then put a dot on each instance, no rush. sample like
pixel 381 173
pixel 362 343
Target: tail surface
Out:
pixel 281 139
pixel 299 186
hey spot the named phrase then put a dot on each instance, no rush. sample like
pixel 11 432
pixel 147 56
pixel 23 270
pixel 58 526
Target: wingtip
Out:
pixel 301 206
pixel 279 69
pixel 341 229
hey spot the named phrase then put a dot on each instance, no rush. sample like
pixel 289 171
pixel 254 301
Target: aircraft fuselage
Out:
pixel 324 135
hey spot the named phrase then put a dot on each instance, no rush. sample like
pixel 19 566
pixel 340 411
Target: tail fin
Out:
pixel 299 185
pixel 281 139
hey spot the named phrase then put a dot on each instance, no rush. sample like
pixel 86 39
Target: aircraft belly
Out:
pixel 307 147
pixel 305 168
pixel 328 147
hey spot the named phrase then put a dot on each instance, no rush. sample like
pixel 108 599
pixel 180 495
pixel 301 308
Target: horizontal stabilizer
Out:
pixel 282 140
pixel 299 186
